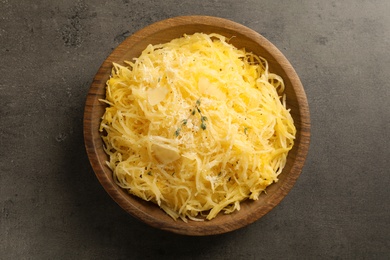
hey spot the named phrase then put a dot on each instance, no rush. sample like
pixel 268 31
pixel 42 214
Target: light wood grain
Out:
pixel 241 37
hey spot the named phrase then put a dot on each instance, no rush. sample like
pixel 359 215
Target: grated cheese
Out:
pixel 196 126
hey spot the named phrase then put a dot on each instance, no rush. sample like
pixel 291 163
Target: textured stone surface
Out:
pixel 52 206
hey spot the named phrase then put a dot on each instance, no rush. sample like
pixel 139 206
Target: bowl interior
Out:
pixel 241 37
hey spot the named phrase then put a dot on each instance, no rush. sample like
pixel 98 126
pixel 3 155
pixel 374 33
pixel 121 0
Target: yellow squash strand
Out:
pixel 196 126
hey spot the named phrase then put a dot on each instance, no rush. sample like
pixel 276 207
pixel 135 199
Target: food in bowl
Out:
pixel 196 126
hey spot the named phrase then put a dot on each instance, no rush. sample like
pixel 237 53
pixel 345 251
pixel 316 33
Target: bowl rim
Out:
pixel 93 142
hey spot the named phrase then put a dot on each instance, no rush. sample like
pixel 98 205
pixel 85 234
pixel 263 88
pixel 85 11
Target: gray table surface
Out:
pixel 51 204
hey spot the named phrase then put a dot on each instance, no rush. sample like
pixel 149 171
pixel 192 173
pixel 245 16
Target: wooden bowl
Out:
pixel 164 31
